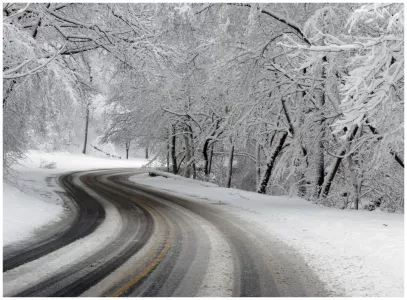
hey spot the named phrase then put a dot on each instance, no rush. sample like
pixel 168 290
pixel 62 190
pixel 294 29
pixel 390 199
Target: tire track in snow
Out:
pixel 199 261
pixel 35 272
pixel 89 215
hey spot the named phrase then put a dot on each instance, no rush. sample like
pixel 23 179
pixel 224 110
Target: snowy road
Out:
pixel 86 215
pixel 137 241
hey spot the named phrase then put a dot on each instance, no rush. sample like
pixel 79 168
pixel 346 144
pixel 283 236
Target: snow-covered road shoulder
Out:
pixel 26 207
pixel 355 253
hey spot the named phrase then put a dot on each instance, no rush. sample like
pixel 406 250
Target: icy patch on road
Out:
pixel 355 253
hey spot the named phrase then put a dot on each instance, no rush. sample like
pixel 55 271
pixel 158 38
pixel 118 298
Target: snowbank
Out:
pixel 153 172
pixel 34 203
pixel 356 253
pixel 66 162
pixel 23 213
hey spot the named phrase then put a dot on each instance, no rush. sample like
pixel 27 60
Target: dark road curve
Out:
pixel 90 214
pixel 163 249
pixel 83 275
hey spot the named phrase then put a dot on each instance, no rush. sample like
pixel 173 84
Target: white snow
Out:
pixel 355 253
pixel 23 213
pixel 34 203
pixel 66 162
pixel 184 179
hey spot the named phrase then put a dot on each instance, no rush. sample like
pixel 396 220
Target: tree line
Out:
pixel 300 99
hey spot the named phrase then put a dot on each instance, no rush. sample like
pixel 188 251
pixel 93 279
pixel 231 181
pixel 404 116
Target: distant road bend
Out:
pixel 167 245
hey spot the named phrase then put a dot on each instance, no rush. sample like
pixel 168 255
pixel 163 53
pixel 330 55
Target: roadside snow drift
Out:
pixel 23 213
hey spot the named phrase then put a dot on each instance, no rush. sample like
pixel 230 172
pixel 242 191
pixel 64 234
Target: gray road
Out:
pixel 173 246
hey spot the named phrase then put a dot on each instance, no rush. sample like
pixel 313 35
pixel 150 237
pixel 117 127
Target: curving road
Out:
pixel 138 241
pixel 90 214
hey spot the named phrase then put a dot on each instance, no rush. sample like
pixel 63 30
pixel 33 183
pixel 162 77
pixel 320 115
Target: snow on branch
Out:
pixel 343 47
pixel 18 12
pixel 183 115
pixel 9 73
pixel 290 23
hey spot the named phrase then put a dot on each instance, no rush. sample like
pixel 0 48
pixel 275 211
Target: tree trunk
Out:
pixel 257 165
pixel 168 156
pixel 191 138
pixel 127 149
pixel 146 152
pixel 230 167
pixel 320 167
pixel 205 155
pixel 193 170
pixel 187 172
pixel 320 159
pixel 355 184
pixel 210 158
pixel 180 163
pixel 324 191
pixel 173 154
pixel 8 91
pixel 206 146
pixel 335 165
pixel 86 129
pixel 269 167
pixel 302 182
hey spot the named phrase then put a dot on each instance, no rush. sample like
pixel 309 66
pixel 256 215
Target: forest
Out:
pixel 299 99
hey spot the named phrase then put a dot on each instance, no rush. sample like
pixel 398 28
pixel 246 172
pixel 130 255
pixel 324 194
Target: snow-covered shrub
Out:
pixel 48 164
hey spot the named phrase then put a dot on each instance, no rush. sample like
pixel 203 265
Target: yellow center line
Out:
pixel 146 270
pixel 156 260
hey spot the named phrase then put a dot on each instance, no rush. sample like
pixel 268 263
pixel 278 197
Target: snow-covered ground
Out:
pixel 355 253
pixel 32 202
pixel 19 207
pixel 66 162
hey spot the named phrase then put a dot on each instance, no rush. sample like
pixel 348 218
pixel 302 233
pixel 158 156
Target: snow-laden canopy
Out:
pixel 294 98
